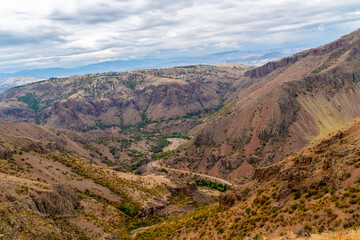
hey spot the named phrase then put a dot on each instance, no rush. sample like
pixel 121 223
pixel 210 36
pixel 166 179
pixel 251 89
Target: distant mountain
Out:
pixel 246 57
pixel 7 83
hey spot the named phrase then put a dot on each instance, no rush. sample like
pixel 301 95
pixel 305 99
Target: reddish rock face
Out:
pixel 282 106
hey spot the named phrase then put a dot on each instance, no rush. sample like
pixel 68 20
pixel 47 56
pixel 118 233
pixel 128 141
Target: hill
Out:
pixel 53 184
pixel 241 117
pixel 145 154
pixel 121 99
pixel 277 109
pixel 245 57
pixel 315 190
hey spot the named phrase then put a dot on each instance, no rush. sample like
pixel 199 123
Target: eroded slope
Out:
pixel 312 191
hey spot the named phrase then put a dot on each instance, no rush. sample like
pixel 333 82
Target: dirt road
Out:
pixel 156 164
pixel 175 143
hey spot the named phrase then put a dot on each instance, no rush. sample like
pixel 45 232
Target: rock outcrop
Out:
pixel 19 222
pixel 62 200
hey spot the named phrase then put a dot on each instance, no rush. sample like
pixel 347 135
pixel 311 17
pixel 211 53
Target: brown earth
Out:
pixel 242 117
pixel 244 121
pixel 54 176
pixel 313 191
pixel 277 109
pixel 120 99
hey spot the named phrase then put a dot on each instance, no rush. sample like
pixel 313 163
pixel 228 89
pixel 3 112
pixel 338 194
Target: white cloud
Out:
pixel 65 33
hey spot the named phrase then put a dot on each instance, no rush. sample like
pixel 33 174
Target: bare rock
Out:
pixel 303 233
pixel 235 194
pixel 150 209
pixel 228 199
pixel 19 222
pixel 62 200
pixel 182 189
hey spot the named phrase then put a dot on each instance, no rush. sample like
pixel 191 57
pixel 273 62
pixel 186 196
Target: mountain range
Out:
pixel 246 57
pixel 230 151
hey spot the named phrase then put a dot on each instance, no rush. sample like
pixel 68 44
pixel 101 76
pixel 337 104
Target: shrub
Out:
pixel 293 206
pixel 128 209
pixel 297 195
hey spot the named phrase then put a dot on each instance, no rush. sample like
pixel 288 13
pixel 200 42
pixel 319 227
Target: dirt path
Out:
pixel 175 143
pixel 156 164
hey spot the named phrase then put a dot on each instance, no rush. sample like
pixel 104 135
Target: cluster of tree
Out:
pixel 177 135
pixel 207 183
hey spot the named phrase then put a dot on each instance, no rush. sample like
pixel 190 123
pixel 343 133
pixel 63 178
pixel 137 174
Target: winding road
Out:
pixel 155 164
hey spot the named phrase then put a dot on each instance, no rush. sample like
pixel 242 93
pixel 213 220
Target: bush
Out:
pixel 128 209
pixel 163 155
pixel 297 195
pixel 293 206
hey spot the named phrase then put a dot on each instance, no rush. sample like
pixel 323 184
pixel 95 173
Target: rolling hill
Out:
pixel 88 157
pixel 315 190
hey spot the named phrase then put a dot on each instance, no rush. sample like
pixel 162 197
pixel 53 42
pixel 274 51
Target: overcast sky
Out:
pixel 67 33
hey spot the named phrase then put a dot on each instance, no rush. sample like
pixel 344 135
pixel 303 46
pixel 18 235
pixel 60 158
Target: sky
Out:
pixel 68 33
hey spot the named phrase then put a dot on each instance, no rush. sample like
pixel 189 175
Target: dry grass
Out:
pixel 341 235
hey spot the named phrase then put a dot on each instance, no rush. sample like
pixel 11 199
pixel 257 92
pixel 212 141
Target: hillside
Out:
pixel 315 190
pixel 202 152
pixel 241 117
pixel 54 184
pixel 147 97
pixel 49 187
pixel 277 109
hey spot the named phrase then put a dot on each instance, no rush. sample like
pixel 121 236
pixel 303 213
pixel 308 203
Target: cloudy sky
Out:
pixel 67 33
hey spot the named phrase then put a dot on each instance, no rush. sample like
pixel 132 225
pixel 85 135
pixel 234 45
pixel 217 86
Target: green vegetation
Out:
pixel 128 209
pixel 164 155
pixel 224 110
pixel 330 61
pixel 188 66
pixel 31 100
pixel 133 80
pixel 22 190
pixel 135 154
pixel 176 135
pixel 161 143
pixel 213 185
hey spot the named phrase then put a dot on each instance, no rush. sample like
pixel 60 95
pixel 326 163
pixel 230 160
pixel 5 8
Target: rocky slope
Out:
pixel 240 117
pixel 77 178
pixel 277 109
pixel 265 113
pixel 52 182
pixel 19 222
pixel 312 191
pixel 121 99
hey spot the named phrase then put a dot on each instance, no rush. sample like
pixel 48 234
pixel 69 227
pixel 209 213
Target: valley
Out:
pixel 228 151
